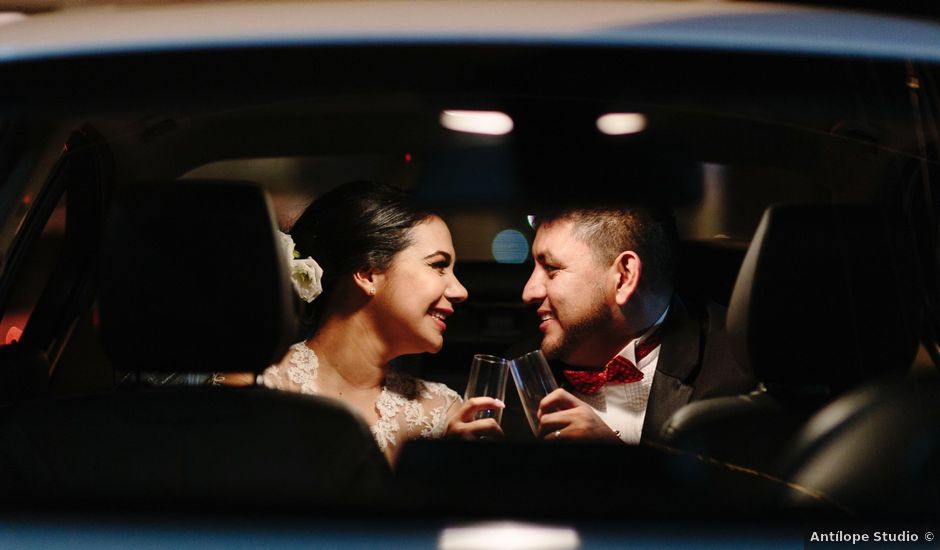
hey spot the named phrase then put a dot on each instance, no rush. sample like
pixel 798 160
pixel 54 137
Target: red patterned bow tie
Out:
pixel 618 370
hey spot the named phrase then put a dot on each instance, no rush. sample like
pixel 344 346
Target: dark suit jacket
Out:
pixel 695 362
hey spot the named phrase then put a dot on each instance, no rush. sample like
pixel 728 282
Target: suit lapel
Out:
pixel 679 358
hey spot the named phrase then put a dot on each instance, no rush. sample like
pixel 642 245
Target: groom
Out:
pixel 634 353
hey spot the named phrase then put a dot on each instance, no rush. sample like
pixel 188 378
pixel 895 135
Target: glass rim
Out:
pixel 527 354
pixel 489 358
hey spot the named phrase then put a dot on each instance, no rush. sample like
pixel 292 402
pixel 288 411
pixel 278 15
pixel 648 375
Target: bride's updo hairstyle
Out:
pixel 358 225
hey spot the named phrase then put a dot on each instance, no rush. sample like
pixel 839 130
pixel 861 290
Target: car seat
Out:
pixel 191 280
pixel 874 451
pixel 821 304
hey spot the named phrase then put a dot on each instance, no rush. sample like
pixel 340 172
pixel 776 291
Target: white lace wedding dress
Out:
pixel 407 407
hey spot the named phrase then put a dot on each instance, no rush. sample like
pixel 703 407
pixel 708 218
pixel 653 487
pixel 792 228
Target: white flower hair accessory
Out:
pixel 305 274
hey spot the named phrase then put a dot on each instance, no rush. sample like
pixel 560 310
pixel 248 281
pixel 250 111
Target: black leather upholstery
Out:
pixel 821 304
pixel 179 449
pixel 192 279
pixel 745 430
pixel 875 451
pixel 566 480
pixel 823 298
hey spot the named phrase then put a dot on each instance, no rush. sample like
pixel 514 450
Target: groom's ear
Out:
pixel 626 271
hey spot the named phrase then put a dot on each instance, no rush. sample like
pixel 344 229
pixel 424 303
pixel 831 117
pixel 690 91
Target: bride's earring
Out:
pixel 372 291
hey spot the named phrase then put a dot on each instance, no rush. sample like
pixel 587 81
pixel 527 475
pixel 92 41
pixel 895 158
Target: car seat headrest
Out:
pixel 192 279
pixel 823 298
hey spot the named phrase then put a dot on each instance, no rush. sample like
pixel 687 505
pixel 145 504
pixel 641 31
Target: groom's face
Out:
pixel 571 289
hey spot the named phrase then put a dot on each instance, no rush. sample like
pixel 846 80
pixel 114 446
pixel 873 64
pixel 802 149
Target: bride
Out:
pixel 386 289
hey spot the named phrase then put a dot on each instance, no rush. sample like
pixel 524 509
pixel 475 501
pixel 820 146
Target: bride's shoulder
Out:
pixel 440 389
pixel 298 355
pixel 296 371
pixel 422 390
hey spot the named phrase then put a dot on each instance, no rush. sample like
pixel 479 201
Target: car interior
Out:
pixel 139 238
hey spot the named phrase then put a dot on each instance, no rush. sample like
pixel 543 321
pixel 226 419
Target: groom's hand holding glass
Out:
pixel 479 416
pixel 562 416
pixel 553 413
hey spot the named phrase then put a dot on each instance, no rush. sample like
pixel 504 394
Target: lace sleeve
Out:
pixel 297 372
pixel 440 402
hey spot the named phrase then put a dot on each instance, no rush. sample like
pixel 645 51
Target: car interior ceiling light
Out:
pixel 621 124
pixel 492 123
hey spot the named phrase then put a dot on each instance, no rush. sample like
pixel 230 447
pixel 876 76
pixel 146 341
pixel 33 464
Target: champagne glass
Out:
pixel 534 380
pixel 488 377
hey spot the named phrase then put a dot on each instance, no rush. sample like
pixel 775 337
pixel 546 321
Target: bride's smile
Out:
pixel 415 296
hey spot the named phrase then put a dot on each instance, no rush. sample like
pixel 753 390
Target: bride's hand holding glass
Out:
pixel 463 423
pixel 479 416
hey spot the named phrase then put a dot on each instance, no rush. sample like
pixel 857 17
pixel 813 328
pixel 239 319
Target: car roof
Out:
pixel 737 26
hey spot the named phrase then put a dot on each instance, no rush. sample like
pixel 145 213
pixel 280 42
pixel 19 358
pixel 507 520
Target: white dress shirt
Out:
pixel 623 406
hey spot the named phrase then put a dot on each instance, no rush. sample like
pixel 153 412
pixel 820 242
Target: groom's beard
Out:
pixel 574 336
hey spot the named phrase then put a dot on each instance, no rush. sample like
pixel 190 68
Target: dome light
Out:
pixel 491 123
pixel 621 124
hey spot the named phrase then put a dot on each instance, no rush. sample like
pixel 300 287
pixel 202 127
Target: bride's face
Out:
pixel 415 296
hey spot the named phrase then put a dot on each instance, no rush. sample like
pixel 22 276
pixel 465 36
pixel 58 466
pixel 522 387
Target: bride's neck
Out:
pixel 350 349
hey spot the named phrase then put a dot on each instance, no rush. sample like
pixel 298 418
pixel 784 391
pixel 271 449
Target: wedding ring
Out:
pixel 557 434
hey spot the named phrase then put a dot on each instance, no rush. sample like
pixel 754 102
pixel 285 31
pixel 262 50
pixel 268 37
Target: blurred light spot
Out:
pixel 531 219
pixel 508 535
pixel 491 123
pixel 620 124
pixel 510 247
pixel 407 157
pixel 11 17
pixel 13 335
